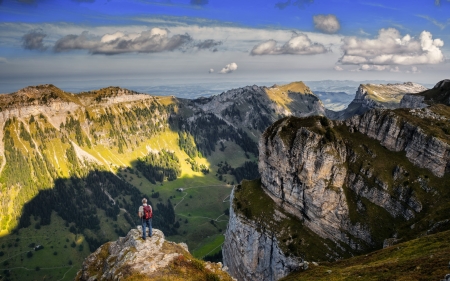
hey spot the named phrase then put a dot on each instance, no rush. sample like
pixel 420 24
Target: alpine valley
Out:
pixel 74 167
pixel 265 176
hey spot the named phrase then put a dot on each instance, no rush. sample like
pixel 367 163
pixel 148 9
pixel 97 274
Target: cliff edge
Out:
pixel 131 258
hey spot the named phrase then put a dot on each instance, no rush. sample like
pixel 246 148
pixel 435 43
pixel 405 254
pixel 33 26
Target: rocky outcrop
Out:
pixel 412 101
pixel 252 252
pixel 397 134
pixel 306 177
pixel 370 96
pixel 153 258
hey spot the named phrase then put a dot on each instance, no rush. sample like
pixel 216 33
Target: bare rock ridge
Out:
pixel 369 96
pixel 152 259
pixel 254 108
pixel 440 93
pixel 354 184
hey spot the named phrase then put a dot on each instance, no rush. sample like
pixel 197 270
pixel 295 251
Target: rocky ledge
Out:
pixel 150 259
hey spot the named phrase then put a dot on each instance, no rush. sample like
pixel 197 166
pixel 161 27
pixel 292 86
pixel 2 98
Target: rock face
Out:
pixel 398 135
pixel 370 96
pixel 252 254
pixel 412 101
pixel 306 176
pixel 131 256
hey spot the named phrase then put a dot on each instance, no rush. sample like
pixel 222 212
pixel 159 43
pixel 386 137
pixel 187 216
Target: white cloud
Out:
pixel 229 68
pixel 327 23
pixel 390 48
pixel 367 67
pixel 395 69
pixel 151 41
pixel 414 69
pixel 211 70
pixel 300 44
pixel 338 68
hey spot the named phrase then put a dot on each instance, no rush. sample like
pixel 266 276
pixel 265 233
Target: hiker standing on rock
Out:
pixel 146 214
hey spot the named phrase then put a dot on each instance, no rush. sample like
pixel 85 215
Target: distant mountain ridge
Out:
pixel 440 93
pixel 369 96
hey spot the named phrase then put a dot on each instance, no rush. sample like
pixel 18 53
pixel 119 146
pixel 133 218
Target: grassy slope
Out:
pixel 425 258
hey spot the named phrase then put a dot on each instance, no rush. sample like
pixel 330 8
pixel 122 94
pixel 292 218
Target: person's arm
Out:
pixel 140 211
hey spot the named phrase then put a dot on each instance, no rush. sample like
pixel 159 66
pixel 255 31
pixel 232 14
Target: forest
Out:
pixel 160 166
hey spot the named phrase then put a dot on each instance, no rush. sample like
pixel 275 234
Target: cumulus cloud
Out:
pixel 34 40
pixel 199 2
pixel 151 41
pixel 299 3
pixel 338 68
pixel 390 48
pixel 327 23
pixel 299 44
pixel 229 68
pixel 211 70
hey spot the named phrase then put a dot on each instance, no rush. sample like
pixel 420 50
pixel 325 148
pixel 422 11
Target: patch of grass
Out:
pixel 425 258
pixel 53 238
pixel 210 246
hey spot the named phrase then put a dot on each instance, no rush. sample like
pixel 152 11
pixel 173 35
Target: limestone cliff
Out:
pixel 152 259
pixel 354 184
pixel 400 132
pixel 253 252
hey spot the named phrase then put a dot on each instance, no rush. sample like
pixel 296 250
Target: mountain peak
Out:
pixel 294 87
pixel 443 84
pixel 35 95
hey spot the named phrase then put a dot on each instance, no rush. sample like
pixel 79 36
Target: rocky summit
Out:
pixel 369 96
pixel 151 259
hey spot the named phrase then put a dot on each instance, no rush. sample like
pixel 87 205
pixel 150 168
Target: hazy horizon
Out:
pixel 76 44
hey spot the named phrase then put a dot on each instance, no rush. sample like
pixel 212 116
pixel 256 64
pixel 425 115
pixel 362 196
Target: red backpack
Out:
pixel 148 214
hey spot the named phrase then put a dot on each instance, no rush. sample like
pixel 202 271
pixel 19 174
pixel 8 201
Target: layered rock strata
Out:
pixel 253 253
pixel 397 134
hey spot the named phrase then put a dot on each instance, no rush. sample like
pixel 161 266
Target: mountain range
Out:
pixel 75 167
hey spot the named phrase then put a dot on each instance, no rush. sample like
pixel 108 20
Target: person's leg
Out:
pixel 143 228
pixel 150 230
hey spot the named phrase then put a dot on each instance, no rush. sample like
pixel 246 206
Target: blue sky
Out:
pixel 94 43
